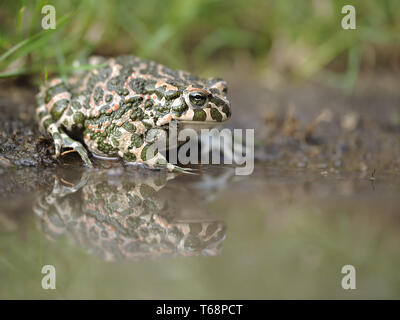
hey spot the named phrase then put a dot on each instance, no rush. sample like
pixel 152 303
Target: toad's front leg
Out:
pixel 56 114
pixel 151 154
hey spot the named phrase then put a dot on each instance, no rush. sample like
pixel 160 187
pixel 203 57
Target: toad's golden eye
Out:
pixel 197 98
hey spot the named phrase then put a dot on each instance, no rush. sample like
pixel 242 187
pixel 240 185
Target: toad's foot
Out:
pixel 160 162
pixel 62 140
pixel 184 170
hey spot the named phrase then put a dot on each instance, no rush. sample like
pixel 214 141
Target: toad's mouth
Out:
pixel 197 125
pixel 194 125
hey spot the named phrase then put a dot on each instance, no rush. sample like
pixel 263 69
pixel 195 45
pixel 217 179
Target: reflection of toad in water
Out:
pixel 128 216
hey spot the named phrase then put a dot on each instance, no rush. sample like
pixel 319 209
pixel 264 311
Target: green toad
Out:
pixel 121 107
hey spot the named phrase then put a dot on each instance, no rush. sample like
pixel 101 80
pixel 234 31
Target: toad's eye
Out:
pixel 197 98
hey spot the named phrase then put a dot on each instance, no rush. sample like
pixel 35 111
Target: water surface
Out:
pixel 133 234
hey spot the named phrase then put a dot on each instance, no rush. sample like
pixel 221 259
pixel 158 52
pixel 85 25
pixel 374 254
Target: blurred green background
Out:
pixel 293 37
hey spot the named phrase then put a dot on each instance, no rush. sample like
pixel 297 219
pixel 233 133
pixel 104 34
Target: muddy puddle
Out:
pixel 324 194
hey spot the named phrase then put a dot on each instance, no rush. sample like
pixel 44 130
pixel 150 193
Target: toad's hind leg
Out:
pixel 56 113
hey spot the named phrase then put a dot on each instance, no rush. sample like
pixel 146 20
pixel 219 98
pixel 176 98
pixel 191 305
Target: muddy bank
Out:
pixel 317 127
pixel 21 143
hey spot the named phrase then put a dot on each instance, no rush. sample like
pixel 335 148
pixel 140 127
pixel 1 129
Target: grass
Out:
pixel 295 37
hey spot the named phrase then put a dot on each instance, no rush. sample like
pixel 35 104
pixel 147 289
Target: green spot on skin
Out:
pixel 129 127
pixel 53 91
pixel 226 110
pixel 135 99
pixel 76 105
pixel 216 115
pixel 180 106
pixel 199 115
pixel 42 114
pixel 58 109
pixel 129 157
pixel 137 114
pixel 115 142
pixel 137 140
pixel 143 154
pixel 78 117
pixel 148 126
pixel 146 150
pixel 217 101
pixel 104 147
pixel 169 95
pixel 148 104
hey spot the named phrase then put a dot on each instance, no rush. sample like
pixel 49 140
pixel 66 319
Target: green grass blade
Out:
pixel 24 43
